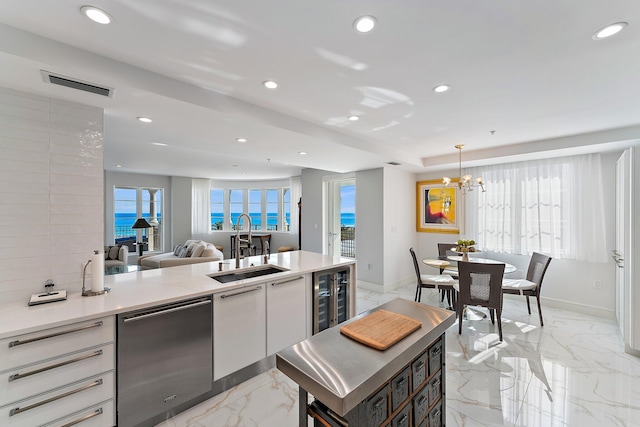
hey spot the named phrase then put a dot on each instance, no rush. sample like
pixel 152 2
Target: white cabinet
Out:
pixel 286 313
pixel 57 374
pixel 239 329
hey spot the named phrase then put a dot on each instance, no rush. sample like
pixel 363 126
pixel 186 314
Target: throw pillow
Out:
pixel 197 251
pixel 191 247
pixel 111 252
pixel 177 249
pixel 183 253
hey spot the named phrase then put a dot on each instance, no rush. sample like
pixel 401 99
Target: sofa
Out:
pixel 191 252
pixel 115 255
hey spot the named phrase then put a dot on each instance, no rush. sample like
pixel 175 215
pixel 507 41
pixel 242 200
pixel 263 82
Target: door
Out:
pixel 622 177
pixel 627 282
pixel 340 217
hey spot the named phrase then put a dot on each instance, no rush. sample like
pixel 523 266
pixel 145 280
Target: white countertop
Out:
pixel 131 291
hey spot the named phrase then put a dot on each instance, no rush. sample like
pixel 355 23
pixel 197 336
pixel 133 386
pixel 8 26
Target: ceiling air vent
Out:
pixel 66 81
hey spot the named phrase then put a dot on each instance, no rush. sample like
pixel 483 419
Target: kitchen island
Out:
pixel 356 384
pixel 60 358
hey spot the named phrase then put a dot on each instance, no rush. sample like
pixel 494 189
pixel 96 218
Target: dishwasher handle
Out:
pixel 146 315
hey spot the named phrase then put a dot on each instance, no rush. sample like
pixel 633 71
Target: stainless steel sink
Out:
pixel 246 273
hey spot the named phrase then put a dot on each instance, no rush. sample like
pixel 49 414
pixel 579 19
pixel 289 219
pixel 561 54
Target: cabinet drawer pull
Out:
pixel 257 288
pixel 16 411
pixel 402 382
pixel 57 365
pixel 161 311
pixel 286 281
pixel 403 421
pixel 85 418
pixel 57 334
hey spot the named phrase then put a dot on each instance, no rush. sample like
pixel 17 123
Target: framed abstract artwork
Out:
pixel 438 208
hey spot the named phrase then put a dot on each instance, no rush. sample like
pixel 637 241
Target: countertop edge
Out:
pixel 135 290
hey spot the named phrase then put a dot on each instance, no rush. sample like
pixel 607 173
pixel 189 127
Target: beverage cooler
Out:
pixel 332 298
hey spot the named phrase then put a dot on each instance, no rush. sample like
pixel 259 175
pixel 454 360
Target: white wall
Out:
pixel 51 183
pixel 370 262
pixel 312 209
pixel 568 284
pixel 399 227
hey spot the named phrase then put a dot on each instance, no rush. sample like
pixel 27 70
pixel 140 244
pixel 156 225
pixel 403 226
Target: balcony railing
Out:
pixel 348 242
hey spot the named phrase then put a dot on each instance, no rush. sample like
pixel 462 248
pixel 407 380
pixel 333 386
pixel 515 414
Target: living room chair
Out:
pixel 530 287
pixel 480 285
pixel 442 282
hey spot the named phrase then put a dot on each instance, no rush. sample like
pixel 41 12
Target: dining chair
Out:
pixel 480 285
pixel 444 250
pixel 530 287
pixel 432 281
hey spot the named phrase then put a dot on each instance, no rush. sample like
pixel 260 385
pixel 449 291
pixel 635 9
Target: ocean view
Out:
pixel 126 220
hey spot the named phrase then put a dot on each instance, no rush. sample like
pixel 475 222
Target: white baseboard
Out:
pixel 384 288
pixel 567 305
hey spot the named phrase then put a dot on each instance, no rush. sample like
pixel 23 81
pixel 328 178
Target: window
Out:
pixel 272 206
pixel 286 209
pixel 269 209
pixel 217 209
pixel 255 209
pixel 551 206
pixel 131 203
pixel 236 206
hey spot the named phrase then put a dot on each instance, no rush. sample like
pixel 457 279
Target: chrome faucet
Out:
pixel 239 240
pixel 267 252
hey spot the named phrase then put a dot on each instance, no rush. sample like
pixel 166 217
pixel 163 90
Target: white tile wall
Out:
pixel 51 185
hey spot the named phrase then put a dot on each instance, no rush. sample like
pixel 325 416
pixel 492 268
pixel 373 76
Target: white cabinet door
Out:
pixel 286 313
pixel 239 329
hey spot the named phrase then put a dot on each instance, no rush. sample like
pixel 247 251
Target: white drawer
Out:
pixel 38 346
pixel 35 379
pixel 103 415
pixel 59 403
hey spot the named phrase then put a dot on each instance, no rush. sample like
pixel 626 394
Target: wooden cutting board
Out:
pixel 381 329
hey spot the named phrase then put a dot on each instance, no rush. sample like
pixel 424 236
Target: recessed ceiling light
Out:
pixel 96 15
pixel 118 166
pixel 270 84
pixel 364 24
pixel 302 153
pixel 145 119
pixel 609 30
pixel 241 139
pixel 354 118
pixel 159 144
pixel 441 88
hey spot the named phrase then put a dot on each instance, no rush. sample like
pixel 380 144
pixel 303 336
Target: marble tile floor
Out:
pixel 572 372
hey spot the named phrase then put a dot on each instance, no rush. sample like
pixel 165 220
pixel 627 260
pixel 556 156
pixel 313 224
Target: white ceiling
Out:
pixel 528 70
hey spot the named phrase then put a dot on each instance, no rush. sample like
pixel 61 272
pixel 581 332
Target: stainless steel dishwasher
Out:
pixel 165 359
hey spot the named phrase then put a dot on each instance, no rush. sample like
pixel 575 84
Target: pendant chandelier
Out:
pixel 464 182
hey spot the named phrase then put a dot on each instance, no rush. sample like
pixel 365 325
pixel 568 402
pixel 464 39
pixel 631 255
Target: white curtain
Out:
pixel 201 210
pixel 295 185
pixel 552 206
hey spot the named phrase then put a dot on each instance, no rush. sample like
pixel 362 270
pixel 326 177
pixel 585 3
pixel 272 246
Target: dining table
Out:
pixel 450 266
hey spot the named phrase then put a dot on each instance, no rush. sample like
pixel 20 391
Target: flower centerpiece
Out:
pixel 464 247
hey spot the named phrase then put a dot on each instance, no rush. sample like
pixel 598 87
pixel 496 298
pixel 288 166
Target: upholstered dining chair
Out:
pixel 432 281
pixel 530 287
pixel 480 284
pixel 444 250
